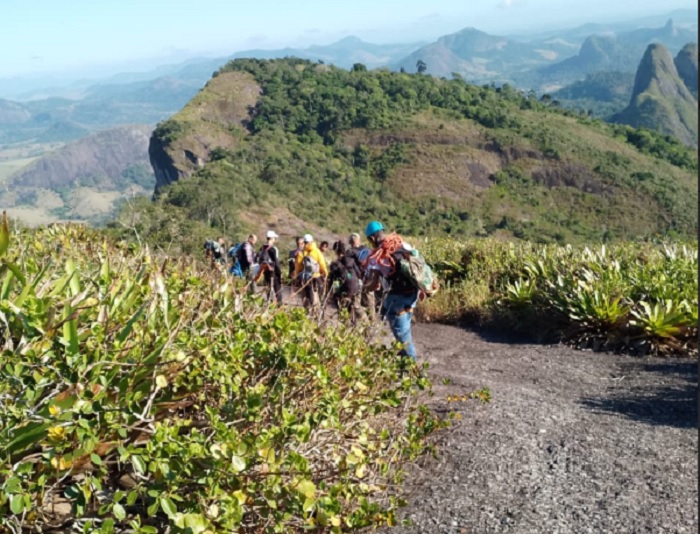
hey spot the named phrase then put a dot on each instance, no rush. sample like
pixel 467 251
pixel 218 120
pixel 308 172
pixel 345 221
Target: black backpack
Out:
pixel 241 255
pixel 264 257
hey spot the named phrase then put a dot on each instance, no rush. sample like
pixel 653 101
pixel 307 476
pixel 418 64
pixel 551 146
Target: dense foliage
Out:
pixel 148 395
pixel 336 148
pixel 638 297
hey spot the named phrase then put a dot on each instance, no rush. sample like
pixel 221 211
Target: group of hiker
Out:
pixel 387 278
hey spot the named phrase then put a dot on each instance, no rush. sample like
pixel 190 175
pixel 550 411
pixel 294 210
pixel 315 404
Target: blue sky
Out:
pixel 58 35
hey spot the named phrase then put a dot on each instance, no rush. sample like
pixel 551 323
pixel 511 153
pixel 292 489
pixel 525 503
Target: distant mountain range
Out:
pixel 591 67
pixel 480 57
pixel 544 64
pixel 660 98
pixel 620 53
pixel 135 98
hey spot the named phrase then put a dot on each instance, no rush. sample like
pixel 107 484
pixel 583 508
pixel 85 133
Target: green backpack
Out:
pixel 419 272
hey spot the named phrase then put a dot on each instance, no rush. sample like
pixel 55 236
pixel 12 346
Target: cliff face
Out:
pixel 687 66
pixel 215 118
pixel 660 100
pixel 96 160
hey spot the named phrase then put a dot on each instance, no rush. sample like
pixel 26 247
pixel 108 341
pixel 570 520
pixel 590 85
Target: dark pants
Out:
pixel 274 281
pixel 351 304
pixel 311 291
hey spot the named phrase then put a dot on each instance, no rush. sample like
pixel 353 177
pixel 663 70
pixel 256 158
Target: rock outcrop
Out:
pixel 215 118
pixel 660 100
pixel 687 66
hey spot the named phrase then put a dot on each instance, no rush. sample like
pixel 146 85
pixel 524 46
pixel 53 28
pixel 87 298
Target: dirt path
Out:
pixel 571 441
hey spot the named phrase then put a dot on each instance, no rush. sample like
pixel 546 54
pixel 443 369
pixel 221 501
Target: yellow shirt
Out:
pixel 311 250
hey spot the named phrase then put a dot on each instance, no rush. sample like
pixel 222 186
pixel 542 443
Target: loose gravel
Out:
pixel 572 441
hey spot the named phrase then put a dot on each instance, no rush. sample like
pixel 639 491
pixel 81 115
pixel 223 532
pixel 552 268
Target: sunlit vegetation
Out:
pixel 147 394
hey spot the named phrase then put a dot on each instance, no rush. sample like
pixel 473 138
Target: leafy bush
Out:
pixel 634 296
pixel 144 394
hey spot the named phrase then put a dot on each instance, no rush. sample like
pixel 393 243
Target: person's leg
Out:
pixel 368 301
pixel 398 311
pixel 316 292
pixel 307 294
pixel 401 328
pixel 277 280
pixel 267 281
pixel 356 312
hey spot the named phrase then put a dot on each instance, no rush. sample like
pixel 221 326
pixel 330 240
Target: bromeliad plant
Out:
pixel 141 395
pixel 635 296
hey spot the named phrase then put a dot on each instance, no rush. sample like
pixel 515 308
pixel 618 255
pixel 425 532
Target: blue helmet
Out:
pixel 373 228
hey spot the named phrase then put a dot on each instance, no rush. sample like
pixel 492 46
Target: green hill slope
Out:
pixel 601 93
pixel 295 145
pixel 660 99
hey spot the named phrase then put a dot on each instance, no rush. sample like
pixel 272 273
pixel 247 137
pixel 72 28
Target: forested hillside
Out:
pixel 296 145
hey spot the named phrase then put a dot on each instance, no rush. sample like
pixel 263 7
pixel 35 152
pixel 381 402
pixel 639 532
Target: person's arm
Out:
pixel 298 264
pixel 275 257
pixel 250 253
pixel 323 267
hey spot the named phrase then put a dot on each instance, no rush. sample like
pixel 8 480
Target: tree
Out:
pixel 421 67
pixel 359 67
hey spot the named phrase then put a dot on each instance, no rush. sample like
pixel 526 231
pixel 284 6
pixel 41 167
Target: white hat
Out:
pixel 308 238
pixel 271 234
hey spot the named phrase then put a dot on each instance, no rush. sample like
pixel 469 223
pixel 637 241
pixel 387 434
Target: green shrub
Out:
pixel 147 394
pixel 634 296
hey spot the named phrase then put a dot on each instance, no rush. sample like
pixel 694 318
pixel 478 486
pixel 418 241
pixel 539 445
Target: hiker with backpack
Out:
pixel 270 268
pixel 292 260
pixel 404 275
pixel 232 254
pixel 346 274
pixel 214 251
pixel 310 272
pixel 246 255
pixel 360 252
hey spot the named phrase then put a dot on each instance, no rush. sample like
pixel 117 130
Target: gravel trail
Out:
pixel 572 441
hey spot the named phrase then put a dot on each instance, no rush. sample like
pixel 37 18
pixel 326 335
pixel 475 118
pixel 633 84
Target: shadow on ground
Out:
pixel 671 399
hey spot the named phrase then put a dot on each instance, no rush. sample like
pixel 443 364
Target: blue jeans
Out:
pixel 398 310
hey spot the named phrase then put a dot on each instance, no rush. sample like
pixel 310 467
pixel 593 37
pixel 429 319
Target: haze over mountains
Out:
pixel 591 68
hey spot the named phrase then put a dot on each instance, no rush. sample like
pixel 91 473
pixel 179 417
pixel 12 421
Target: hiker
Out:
pixel 368 298
pixel 270 269
pixel 246 255
pixel 292 261
pixel 401 295
pixel 232 254
pixel 324 247
pixel 214 251
pixel 310 270
pixel 347 274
